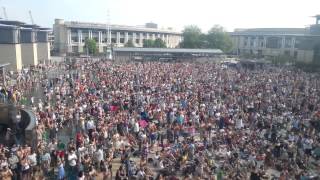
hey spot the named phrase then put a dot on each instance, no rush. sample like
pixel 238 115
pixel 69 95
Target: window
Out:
pixel 287 53
pixel 74 39
pixel 274 42
pixel 295 54
pixel 288 43
pixel 137 41
pixel 74 49
pixel 74 31
pixel 122 40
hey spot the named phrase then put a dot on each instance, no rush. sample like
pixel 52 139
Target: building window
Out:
pixel 74 39
pixel 137 41
pixel 274 42
pixel 288 42
pixel 122 40
pixel 74 49
pixel 295 54
pixel 287 53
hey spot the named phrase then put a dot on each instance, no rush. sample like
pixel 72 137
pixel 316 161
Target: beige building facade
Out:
pixel 11 53
pixel 299 43
pixel 70 36
pixel 23 45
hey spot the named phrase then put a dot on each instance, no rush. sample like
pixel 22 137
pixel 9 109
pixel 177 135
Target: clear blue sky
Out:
pixel 169 13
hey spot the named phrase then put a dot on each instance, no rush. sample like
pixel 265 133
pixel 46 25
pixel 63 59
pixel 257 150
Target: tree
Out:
pixel 91 46
pixel 218 38
pixel 159 43
pixel 129 44
pixel 148 43
pixel 192 37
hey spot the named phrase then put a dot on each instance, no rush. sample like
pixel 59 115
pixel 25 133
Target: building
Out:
pixel 164 54
pixel 51 39
pixel 22 44
pixel 70 36
pixel 299 43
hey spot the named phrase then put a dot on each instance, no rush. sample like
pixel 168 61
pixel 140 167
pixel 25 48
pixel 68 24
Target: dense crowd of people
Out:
pixel 159 120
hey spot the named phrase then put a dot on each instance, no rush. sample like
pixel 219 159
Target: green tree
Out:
pixel 91 46
pixel 159 43
pixel 192 37
pixel 148 43
pixel 129 44
pixel 218 38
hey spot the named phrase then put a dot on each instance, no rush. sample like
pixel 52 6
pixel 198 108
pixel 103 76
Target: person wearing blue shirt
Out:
pixel 61 172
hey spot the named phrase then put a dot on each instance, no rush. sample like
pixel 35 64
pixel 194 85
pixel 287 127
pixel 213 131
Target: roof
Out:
pixel 169 50
pixel 271 31
pixel 5 26
pixel 76 24
pixel 11 22
pixel 30 26
pixel 44 29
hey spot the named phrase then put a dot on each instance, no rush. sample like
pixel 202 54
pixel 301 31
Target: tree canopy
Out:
pixel 158 43
pixel 91 46
pixel 147 43
pixel 216 38
pixel 192 37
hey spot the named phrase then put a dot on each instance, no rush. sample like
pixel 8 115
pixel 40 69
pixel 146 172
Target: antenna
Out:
pixel 31 18
pixel 109 43
pixel 108 29
pixel 5 13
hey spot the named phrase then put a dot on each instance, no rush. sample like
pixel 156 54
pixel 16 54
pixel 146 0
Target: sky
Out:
pixel 177 14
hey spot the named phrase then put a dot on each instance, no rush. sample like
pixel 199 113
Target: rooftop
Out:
pixel 5 26
pixel 11 22
pixel 272 31
pixel 88 25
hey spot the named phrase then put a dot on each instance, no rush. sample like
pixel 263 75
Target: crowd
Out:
pixel 168 121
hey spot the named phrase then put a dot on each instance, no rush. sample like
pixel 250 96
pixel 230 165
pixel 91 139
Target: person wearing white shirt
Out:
pixel 239 123
pixel 136 127
pixel 72 159
pixel 141 174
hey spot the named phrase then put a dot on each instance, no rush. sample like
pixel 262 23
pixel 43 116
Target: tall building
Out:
pixel 70 36
pixel 299 43
pixel 22 44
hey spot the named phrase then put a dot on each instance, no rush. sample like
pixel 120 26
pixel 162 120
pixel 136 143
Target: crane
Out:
pixel 4 13
pixel 31 18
